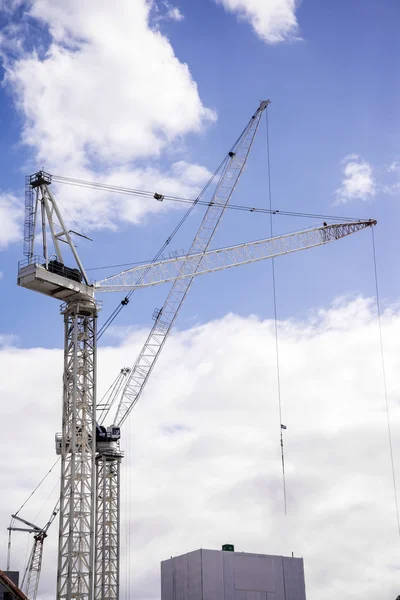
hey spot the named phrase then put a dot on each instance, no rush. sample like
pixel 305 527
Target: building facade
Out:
pixel 221 575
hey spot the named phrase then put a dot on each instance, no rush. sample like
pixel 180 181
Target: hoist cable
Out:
pixel 278 375
pixel 385 381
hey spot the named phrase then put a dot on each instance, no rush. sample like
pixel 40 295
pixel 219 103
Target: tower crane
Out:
pixel 34 566
pixel 88 554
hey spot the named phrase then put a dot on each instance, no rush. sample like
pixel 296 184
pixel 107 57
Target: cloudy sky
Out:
pixel 151 95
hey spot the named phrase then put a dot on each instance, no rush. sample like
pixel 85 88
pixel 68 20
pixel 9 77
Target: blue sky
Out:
pixel 334 93
pixel 152 95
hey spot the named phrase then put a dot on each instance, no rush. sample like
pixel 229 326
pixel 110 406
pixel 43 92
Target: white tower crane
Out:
pixel 30 582
pixel 78 556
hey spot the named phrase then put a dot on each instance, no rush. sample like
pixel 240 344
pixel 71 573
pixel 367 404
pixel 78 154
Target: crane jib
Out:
pixel 216 260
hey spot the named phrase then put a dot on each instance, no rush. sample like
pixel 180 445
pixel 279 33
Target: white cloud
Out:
pixel 363 181
pixel 273 20
pixel 202 459
pixel 394 167
pixel 174 13
pixel 170 12
pixel 11 220
pixel 96 210
pixel 7 339
pixel 392 189
pixel 358 182
pixel 108 91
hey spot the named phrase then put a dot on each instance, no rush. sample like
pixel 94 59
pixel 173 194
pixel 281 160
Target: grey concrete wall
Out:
pixel 218 575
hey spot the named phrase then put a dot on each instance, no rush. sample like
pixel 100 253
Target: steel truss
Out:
pixel 88 557
pixel 139 374
pixel 35 566
pixel 77 495
pixel 184 267
pixel 107 526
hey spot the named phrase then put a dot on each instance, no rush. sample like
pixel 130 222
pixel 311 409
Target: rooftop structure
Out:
pixel 229 575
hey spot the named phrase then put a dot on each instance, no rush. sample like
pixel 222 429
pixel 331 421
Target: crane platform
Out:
pixel 55 280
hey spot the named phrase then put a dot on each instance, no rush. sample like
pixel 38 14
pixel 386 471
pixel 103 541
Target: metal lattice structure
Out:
pixel 77 507
pixel 35 566
pixel 89 535
pixel 185 267
pixel 49 275
pixel 30 582
pixel 137 377
pixel 107 525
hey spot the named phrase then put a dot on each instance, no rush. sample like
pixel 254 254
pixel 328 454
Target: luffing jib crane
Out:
pixel 88 556
pixel 30 582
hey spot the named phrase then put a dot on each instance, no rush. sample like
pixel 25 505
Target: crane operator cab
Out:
pixel 107 440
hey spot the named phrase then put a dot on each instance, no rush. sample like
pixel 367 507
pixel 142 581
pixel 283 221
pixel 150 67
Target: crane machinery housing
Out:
pixel 89 521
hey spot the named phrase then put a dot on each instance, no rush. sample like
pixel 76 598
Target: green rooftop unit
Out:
pixel 228 548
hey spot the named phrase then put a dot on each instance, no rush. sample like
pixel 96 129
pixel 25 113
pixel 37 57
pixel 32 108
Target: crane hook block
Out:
pixel 125 301
pixel 159 197
pixel 232 154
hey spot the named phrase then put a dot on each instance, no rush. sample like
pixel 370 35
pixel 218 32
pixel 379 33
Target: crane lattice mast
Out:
pixel 30 581
pixel 47 273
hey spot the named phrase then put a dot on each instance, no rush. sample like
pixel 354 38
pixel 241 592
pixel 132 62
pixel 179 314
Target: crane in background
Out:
pixel 90 452
pixel 34 565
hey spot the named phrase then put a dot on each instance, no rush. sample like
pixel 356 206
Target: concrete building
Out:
pixel 228 575
pixel 14 576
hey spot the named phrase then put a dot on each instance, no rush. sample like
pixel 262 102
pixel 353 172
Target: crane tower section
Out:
pixel 46 271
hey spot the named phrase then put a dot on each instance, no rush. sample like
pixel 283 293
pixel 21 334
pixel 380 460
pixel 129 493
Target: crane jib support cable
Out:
pixel 240 207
